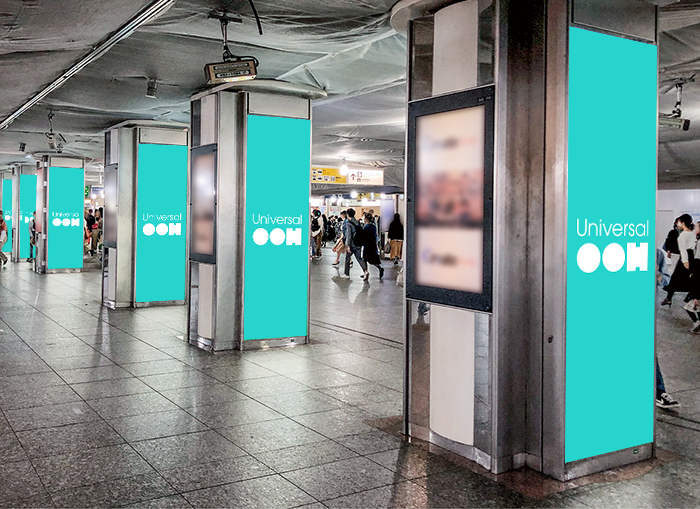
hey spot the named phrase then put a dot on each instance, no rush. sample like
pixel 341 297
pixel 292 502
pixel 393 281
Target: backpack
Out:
pixel 358 235
pixel 314 225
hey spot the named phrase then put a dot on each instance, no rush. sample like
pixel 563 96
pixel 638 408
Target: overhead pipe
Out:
pixel 149 13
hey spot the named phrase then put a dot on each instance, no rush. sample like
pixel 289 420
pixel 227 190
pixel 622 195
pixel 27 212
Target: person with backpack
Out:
pixel 317 229
pixel 354 240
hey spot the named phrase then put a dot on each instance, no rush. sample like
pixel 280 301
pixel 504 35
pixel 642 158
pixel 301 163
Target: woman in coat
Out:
pixel 370 253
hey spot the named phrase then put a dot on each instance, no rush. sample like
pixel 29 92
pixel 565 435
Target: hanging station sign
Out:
pixel 327 176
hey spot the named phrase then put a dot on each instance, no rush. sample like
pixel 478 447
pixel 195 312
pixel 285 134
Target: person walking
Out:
pixel 370 254
pixel 317 229
pixel 396 239
pixel 353 235
pixel 32 236
pixel 3 238
pixel 680 280
pixel 95 233
pixel 339 247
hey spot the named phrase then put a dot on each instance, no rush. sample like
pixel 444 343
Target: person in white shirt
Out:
pixel 680 281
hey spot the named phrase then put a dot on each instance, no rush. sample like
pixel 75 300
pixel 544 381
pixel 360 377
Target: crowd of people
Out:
pixel 357 238
pixel 92 231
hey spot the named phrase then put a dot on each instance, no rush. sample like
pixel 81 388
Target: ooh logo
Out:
pixel 278 236
pixel 589 258
pixel 162 229
pixel 57 221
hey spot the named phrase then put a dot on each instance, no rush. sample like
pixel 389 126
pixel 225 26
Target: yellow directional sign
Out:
pixel 327 176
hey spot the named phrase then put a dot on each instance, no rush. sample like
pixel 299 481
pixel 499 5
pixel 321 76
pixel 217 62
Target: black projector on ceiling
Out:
pixel 245 68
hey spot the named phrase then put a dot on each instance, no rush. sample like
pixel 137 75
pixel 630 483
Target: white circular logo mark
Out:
pixel 260 236
pixel 56 222
pixel 588 258
pixel 614 257
pixel 66 222
pixel 149 229
pixel 162 229
pixel 277 236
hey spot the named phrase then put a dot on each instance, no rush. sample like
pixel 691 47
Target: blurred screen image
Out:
pixel 203 203
pixel 109 226
pixel 449 218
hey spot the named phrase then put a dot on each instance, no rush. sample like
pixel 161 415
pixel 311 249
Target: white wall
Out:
pixel 671 204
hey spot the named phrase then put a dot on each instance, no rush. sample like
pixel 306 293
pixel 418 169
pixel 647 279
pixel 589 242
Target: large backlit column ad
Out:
pixel 24 192
pixel 249 254
pixel 60 204
pixel 145 225
pixel 525 198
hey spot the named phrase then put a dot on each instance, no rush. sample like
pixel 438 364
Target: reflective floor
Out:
pixel 105 408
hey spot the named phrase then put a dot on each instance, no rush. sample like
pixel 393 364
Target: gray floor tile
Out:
pixel 385 409
pixel 10 449
pixel 363 394
pixel 50 416
pixel 336 423
pixel 272 492
pixel 270 435
pixel 341 478
pixel 134 404
pixel 81 469
pixel 412 462
pixel 186 450
pixel 172 502
pixel 68 439
pixel 401 495
pixel 304 456
pixel 201 395
pixel 371 442
pixel 179 380
pixel 325 378
pixel 114 493
pixel 157 367
pixel 242 371
pixel 233 413
pixel 4 425
pixel 26 397
pixel 111 388
pixel 19 481
pixel 35 380
pixel 268 386
pixel 33 502
pixel 300 403
pixel 156 425
pixel 95 374
pixel 84 361
pixel 205 475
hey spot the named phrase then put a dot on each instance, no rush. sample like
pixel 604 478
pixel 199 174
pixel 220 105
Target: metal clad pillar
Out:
pixel 530 359
pixel 250 141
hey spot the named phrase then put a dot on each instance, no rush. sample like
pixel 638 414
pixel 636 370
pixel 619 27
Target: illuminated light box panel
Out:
pixel 161 223
pixel 66 195
pixel 277 231
pixel 610 245
pixel 27 205
pixel 7 212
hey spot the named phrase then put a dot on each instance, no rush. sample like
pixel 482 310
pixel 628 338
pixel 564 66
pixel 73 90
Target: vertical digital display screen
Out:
pixel 66 188
pixel 450 199
pixel 109 222
pixel 203 195
pixel 161 223
pixel 610 245
pixel 278 164
pixel 7 213
pixel 449 213
pixel 27 205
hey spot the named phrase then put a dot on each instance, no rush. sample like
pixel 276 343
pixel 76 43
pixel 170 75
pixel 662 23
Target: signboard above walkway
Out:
pixel 355 177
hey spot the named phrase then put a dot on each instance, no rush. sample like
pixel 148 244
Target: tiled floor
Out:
pixel 105 408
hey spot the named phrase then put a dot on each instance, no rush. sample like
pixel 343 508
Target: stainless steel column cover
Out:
pixel 230 219
pixel 126 203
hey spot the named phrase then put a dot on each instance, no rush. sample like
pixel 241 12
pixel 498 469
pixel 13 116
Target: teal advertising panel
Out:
pixel 161 223
pixel 277 228
pixel 610 245
pixel 27 205
pixel 66 222
pixel 7 212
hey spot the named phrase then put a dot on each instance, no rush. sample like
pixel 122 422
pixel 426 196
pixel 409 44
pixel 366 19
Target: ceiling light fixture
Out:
pixel 344 170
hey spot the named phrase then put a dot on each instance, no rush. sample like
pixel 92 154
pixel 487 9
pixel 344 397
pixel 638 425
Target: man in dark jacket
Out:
pixel 351 227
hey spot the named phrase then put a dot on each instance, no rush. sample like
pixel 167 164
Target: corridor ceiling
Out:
pixel 346 47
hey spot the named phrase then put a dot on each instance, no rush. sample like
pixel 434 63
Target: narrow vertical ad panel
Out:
pixel 66 188
pixel 161 223
pixel 27 206
pixel 7 212
pixel 277 228
pixel 610 244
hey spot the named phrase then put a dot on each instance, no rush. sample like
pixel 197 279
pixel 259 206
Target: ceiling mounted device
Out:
pixel 233 68
pixel 54 140
pixel 152 88
pixel 674 119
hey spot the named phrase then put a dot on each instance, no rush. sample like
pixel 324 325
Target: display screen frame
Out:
pixel 194 153
pixel 482 96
